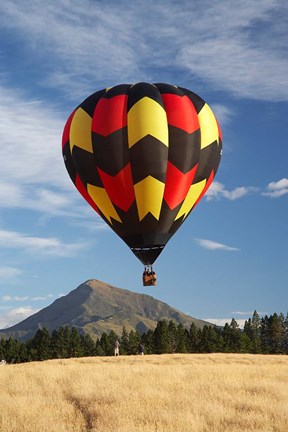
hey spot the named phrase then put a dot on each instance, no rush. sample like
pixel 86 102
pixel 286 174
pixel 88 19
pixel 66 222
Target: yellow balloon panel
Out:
pixel 208 126
pixel 192 196
pixel 103 202
pixel 147 117
pixel 80 131
pixel 149 195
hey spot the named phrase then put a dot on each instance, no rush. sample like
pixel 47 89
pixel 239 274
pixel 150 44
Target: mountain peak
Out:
pixel 95 306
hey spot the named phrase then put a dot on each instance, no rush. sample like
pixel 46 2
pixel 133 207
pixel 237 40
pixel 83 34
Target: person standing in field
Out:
pixel 116 348
pixel 141 349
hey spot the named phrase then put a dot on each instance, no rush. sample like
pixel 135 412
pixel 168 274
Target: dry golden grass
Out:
pixel 167 393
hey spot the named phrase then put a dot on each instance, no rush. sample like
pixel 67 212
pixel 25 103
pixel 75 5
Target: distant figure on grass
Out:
pixel 141 349
pixel 116 347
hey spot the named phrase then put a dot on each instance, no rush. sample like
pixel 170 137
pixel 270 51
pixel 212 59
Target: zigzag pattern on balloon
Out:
pixel 143 156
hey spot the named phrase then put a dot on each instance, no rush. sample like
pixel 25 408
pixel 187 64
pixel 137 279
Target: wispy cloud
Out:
pixel 31 146
pixel 46 246
pixel 277 189
pixel 217 190
pixel 9 298
pixel 212 245
pixel 248 314
pixel 7 272
pixel 222 113
pixel 245 56
pixel 16 315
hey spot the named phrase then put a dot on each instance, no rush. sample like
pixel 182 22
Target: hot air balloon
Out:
pixel 143 155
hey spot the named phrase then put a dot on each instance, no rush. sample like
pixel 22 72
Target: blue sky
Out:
pixel 230 256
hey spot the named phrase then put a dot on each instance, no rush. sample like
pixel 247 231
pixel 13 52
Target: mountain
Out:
pixel 96 307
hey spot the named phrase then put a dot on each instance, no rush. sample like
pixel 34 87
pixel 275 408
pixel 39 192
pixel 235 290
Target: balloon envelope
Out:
pixel 143 156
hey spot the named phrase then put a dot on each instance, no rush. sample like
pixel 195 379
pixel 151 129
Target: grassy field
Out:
pixel 167 393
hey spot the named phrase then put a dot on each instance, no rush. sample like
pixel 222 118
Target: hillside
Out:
pixel 95 307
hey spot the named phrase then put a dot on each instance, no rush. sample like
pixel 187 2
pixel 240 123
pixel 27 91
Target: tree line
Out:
pixel 266 335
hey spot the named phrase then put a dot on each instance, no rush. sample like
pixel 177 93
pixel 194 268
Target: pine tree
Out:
pixel 264 335
pixel 173 337
pixel 134 340
pixel 194 338
pixel 256 333
pixel 276 326
pixel 60 343
pixel 208 340
pixel 235 336
pixel 41 344
pixel 12 350
pixel 182 340
pixel 99 350
pixel 246 345
pixel 161 338
pixel 285 336
pixel 106 344
pixel 88 345
pixel 124 342
pixel 148 341
pixel 75 345
pixel 2 349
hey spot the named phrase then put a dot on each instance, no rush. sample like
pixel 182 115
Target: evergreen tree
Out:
pixel 161 338
pixel 235 336
pixel 41 345
pixel 246 345
pixel 194 338
pixel 276 330
pixel 88 345
pixel 208 340
pixel 134 340
pixel 285 336
pixel 256 333
pixel 23 353
pixel 56 346
pixel 148 341
pixel 60 343
pixel 106 345
pixel 75 345
pixel 173 337
pixel 2 349
pixel 98 349
pixel 264 335
pixel 232 337
pixel 182 340
pixel 124 342
pixel 12 350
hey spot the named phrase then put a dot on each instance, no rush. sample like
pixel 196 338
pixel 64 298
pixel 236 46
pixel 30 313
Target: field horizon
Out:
pixel 155 393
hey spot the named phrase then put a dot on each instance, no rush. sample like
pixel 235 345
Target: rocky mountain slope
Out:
pixel 95 307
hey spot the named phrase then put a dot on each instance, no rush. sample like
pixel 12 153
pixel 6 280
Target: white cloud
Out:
pixel 277 189
pixel 15 316
pixel 8 298
pixel 248 314
pixel 42 245
pixel 30 136
pixel 9 272
pixel 217 190
pixel 238 48
pixel 211 245
pixel 222 321
pixel 33 175
pixel 222 113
